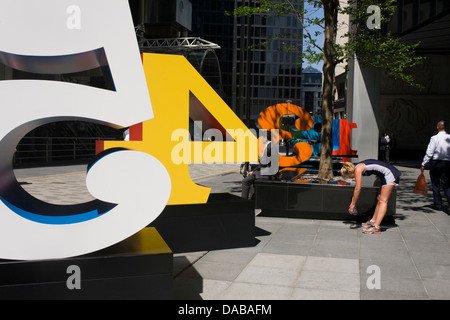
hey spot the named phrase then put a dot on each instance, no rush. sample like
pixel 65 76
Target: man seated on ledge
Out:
pixel 264 162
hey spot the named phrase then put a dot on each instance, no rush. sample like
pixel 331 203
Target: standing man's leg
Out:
pixel 257 175
pixel 248 184
pixel 436 172
pixel 383 155
pixel 446 180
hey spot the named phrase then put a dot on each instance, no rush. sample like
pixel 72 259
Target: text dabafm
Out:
pixel 226 309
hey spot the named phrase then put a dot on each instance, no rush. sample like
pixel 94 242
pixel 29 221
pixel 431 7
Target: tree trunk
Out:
pixel 330 16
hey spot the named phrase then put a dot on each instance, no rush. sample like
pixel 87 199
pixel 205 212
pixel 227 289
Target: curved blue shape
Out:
pixel 312 134
pixel 76 218
pixel 28 207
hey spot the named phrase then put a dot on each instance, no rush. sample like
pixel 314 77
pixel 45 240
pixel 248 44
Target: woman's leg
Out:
pixel 381 208
pixel 375 214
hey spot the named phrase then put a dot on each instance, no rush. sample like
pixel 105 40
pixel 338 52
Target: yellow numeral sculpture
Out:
pixel 178 92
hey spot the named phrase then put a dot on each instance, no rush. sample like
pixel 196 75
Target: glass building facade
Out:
pixel 249 80
pixel 256 78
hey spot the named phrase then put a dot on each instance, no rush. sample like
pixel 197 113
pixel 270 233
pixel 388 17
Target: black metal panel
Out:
pixel 304 197
pixel 140 267
pixel 225 221
pixel 160 12
pixel 153 287
pixel 289 199
pixel 274 194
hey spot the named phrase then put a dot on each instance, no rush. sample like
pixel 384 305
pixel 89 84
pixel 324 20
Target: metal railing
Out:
pixel 41 150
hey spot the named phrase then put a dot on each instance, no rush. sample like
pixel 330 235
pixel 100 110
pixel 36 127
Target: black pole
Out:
pixel 233 72
pixel 249 68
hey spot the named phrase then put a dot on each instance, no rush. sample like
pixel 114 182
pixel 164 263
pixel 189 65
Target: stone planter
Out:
pixel 314 200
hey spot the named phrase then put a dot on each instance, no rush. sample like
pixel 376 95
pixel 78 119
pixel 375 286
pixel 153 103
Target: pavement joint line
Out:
pixel 359 262
pixel 52 176
pixel 191 264
pixel 213 174
pixel 82 172
pixel 413 262
pixel 308 254
pixel 434 225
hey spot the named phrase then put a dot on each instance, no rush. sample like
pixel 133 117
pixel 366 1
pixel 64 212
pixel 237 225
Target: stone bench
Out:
pixel 314 200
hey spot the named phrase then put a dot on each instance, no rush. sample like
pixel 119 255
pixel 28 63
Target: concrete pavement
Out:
pixel 300 258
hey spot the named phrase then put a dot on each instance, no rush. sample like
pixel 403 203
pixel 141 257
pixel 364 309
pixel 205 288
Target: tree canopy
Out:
pixel 363 39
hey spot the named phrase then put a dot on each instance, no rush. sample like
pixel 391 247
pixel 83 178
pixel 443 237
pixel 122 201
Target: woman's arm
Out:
pixel 358 181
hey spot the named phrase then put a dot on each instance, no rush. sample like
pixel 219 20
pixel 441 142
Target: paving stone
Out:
pixel 438 289
pixel 321 294
pixel 254 291
pixel 332 264
pixel 329 280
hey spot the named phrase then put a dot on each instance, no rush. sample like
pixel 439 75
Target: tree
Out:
pixel 365 42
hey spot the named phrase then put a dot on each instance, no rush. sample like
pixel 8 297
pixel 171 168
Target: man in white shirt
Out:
pixel 385 148
pixel 438 152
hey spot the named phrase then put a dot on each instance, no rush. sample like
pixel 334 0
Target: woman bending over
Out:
pixel 389 176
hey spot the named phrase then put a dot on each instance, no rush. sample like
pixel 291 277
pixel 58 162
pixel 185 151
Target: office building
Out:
pixel 253 79
pixel 378 103
pixel 311 94
pixel 216 44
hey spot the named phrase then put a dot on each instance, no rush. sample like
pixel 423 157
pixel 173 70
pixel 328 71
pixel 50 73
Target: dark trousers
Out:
pixel 385 155
pixel 440 176
pixel 248 184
